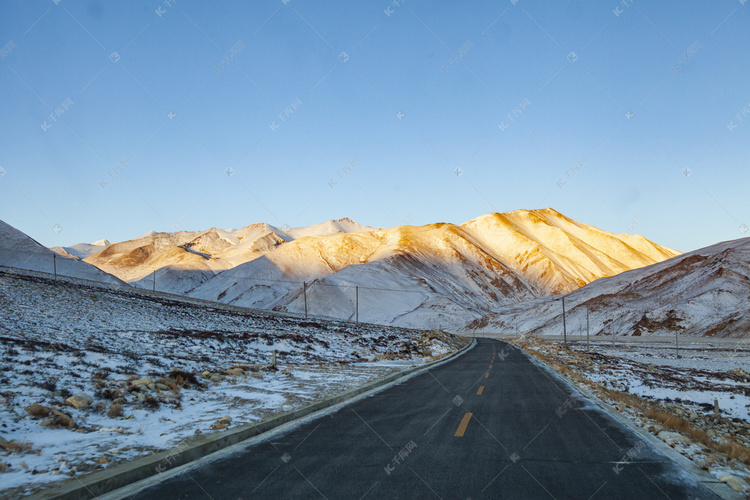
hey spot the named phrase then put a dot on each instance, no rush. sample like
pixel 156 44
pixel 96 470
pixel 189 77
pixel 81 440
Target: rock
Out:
pixel 80 401
pixel 151 386
pixel 3 443
pixel 236 372
pixel 37 410
pixel 693 416
pixel 58 419
pixel 216 377
pixel 206 374
pixel 143 381
pixel 140 396
pixel 103 461
pixel 671 438
pixel 733 482
pixel 710 433
pixel 222 423
pixel 162 387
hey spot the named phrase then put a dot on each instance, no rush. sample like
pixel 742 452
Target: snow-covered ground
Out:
pixel 683 385
pixel 159 370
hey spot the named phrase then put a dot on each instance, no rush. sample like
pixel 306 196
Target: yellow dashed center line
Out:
pixel 490 366
pixel 487 375
pixel 480 390
pixel 462 426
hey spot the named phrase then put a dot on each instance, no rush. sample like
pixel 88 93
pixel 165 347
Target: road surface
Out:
pixel 489 424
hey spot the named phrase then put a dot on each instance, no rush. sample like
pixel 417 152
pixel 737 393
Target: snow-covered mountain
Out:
pixel 21 251
pixel 185 259
pixel 82 250
pixel 700 293
pixel 438 275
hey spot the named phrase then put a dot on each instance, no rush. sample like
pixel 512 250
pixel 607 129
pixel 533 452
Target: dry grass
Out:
pixel 115 411
pixel 183 378
pixel 15 447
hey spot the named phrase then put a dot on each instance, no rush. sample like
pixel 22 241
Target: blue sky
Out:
pixel 123 117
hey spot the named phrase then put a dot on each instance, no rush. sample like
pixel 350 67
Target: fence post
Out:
pixel 356 290
pixel 54 263
pixel 587 329
pixel 304 292
pixel 154 279
pixel 565 328
pixel 676 344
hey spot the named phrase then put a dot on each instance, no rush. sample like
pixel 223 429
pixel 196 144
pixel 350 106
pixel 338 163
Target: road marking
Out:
pixel 480 390
pixel 487 375
pixel 490 366
pixel 462 426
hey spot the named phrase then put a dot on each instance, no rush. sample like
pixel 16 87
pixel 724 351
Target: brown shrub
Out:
pixel 115 410
pixel 14 447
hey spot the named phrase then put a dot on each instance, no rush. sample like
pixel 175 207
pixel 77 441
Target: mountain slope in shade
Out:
pixel 82 250
pixel 702 293
pixel 22 252
pixel 443 274
pixel 185 259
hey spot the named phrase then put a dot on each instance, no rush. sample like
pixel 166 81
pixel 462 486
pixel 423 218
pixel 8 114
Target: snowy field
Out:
pixel 93 375
pixel 676 393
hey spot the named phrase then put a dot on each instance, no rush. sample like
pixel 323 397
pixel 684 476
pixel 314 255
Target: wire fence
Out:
pixel 346 301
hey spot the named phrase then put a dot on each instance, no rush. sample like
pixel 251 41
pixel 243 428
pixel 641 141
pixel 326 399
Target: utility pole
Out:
pixel 356 291
pixel 54 263
pixel 154 279
pixel 676 344
pixel 565 328
pixel 304 292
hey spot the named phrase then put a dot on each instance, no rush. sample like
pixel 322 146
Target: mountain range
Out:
pixel 437 275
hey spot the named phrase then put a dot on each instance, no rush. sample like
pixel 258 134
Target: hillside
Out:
pixel 700 293
pixel 20 251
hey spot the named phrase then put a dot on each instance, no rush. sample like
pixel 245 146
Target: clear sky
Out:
pixel 123 117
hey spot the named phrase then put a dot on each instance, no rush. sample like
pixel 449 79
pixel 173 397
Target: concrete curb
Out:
pixel 106 481
pixel 720 489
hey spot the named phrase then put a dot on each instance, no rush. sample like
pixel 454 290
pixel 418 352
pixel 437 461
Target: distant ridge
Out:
pixel 449 274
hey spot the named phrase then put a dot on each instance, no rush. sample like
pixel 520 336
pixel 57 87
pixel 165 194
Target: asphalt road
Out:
pixel 489 424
